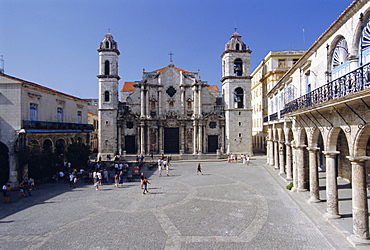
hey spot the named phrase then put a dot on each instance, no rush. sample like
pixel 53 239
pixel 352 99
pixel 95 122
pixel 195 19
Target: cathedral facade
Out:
pixel 172 111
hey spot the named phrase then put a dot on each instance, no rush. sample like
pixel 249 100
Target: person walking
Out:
pixel 248 160
pixel 199 169
pixel 160 167
pixel 145 185
pixel 25 185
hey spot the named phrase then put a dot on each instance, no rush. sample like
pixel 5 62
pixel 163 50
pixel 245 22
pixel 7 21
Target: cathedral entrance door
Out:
pixel 171 140
pixel 130 144
pixel 212 143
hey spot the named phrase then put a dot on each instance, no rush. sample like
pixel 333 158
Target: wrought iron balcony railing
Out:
pixel 46 125
pixel 352 82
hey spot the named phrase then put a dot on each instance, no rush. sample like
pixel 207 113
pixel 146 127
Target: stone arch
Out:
pixel 60 147
pixel 354 49
pixel 4 163
pixel 47 146
pixel 289 136
pixel 34 147
pixel 361 142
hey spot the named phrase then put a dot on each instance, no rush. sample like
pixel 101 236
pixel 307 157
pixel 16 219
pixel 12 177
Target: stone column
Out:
pixel 295 172
pixel 314 175
pixel 182 138
pixel 276 155
pixel 161 148
pixel 281 158
pixel 195 101
pixel 270 152
pixel 119 140
pixel 146 96
pixel 183 101
pixel 332 208
pixel 360 208
pixel 142 138
pixel 301 170
pixel 195 138
pixel 222 138
pixel 200 100
pixel 200 139
pixel 289 173
pixel 142 102
pixel 160 102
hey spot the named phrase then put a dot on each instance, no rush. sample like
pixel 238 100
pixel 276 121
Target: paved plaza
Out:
pixel 230 206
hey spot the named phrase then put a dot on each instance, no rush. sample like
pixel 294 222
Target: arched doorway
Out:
pixel 4 163
pixel 344 168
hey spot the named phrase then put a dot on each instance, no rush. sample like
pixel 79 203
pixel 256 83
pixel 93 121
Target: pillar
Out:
pixel 301 169
pixel 195 138
pixel 281 158
pixel 200 139
pixel 142 138
pixel 332 208
pixel 161 149
pixel 276 155
pixel 314 175
pixel 359 200
pixel 289 173
pixel 270 152
pixel 142 102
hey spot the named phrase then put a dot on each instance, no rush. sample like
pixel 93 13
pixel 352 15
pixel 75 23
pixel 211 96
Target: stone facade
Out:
pixel 264 78
pixel 319 115
pixel 31 113
pixel 172 111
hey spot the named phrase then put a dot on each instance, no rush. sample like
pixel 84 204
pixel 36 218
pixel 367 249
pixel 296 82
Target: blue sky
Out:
pixel 54 42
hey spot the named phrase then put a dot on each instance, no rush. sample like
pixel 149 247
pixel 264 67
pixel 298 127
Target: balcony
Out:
pixel 45 126
pixel 352 82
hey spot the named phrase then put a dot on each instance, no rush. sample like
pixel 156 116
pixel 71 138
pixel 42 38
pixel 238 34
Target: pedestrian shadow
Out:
pixel 155 193
pixel 6 221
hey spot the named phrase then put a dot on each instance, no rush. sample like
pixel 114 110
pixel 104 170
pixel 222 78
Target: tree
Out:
pixel 78 154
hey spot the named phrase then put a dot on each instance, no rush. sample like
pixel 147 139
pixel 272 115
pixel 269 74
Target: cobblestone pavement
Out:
pixel 231 206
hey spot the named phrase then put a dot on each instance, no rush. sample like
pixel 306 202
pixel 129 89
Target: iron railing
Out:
pixel 46 125
pixel 352 82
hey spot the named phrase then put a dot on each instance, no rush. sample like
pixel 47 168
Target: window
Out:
pixel 212 125
pixel 237 46
pixel 365 44
pixel 130 125
pixel 239 98
pixel 33 111
pixel 79 117
pixel 339 61
pixel 308 82
pixel 171 91
pixel 295 60
pixel 106 96
pixel 59 114
pixel 106 68
pixel 107 44
pixel 282 63
pixel 238 67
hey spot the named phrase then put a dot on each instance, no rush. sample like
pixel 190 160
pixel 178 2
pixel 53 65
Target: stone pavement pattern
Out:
pixel 231 206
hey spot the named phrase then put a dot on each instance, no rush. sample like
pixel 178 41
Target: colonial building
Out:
pixel 33 120
pixel 264 78
pixel 319 117
pixel 173 111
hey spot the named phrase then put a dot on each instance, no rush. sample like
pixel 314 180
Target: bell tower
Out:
pixel 236 92
pixel 108 98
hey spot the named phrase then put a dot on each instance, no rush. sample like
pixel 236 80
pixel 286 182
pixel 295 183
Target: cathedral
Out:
pixel 171 111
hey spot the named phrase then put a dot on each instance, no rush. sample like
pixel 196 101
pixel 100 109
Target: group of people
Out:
pixel 24 187
pixel 245 159
pixel 163 163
